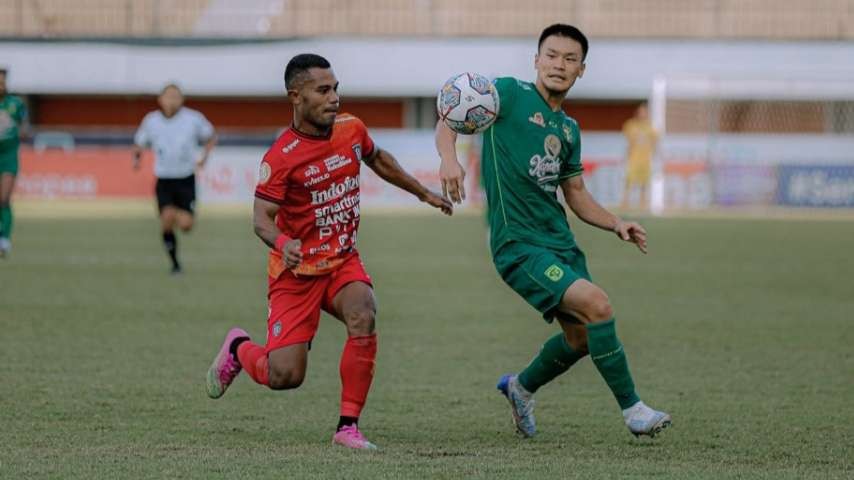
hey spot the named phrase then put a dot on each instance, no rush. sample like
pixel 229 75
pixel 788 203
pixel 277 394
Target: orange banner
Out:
pixel 84 173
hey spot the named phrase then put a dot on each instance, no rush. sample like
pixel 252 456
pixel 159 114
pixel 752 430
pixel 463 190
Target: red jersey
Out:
pixel 315 181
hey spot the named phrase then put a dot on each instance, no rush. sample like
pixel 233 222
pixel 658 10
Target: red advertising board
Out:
pixel 83 173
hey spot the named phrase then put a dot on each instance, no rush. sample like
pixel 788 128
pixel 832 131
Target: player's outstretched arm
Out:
pixel 451 173
pixel 136 156
pixel 582 203
pixel 25 129
pixel 264 220
pixel 386 166
pixel 141 141
pixel 206 150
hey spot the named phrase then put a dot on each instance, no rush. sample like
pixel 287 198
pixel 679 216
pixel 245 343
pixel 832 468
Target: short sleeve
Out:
pixel 506 88
pixel 363 145
pixel 142 137
pixel 571 163
pixel 204 128
pixel 368 145
pixel 272 179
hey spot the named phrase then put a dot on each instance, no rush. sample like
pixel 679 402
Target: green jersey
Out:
pixel 527 153
pixel 13 113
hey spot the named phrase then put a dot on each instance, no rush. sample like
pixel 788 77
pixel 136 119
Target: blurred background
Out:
pixel 753 99
pixel 737 326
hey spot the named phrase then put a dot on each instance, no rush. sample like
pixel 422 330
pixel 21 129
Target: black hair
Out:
pixel 301 64
pixel 171 85
pixel 564 30
pixel 4 71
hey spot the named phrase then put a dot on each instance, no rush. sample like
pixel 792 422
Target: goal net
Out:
pixel 752 143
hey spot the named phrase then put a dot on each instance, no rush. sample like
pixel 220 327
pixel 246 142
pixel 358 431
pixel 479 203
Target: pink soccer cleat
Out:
pixel 225 367
pixel 349 436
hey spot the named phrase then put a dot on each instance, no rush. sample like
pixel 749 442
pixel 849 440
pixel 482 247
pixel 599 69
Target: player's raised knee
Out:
pixel 360 321
pixel 285 378
pixel 184 221
pixel 597 306
pixel 600 310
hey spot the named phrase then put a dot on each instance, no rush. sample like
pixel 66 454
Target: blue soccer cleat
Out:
pixel 521 405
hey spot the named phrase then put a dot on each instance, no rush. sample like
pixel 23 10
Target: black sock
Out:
pixel 171 244
pixel 233 347
pixel 346 422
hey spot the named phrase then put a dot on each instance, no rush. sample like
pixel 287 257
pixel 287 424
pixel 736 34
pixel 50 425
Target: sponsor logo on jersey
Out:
pixel 342 239
pixel 277 328
pixel 264 173
pixel 314 181
pixel 289 147
pixel 567 132
pixel 537 119
pixel 336 161
pixel 311 171
pixel 5 120
pixel 323 248
pixel 335 190
pixel 546 168
pixel 552 145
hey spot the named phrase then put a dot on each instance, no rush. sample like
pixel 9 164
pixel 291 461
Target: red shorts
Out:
pixel 295 301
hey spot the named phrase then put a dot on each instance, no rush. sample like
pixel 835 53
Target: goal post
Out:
pixel 752 143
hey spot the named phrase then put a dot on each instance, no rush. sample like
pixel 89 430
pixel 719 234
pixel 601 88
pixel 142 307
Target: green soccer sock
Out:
pixel 607 354
pixel 6 222
pixel 554 358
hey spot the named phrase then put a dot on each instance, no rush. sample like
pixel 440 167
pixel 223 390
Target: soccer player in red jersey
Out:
pixel 307 210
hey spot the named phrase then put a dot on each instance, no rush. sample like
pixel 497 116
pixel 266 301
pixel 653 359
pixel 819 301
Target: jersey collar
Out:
pixel 549 107
pixel 307 136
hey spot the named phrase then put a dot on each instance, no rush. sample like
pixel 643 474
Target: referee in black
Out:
pixel 175 132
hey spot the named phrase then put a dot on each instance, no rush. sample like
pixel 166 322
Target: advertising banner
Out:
pixel 816 185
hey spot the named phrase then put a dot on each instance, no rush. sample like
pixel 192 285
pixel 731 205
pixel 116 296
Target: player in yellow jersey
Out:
pixel 642 139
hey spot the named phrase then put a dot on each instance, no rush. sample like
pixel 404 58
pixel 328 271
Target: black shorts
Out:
pixel 176 192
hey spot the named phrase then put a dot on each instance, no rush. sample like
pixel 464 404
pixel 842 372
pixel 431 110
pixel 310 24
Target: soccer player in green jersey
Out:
pixel 531 150
pixel 13 126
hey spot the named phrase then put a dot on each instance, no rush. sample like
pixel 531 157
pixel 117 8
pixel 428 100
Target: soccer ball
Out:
pixel 468 103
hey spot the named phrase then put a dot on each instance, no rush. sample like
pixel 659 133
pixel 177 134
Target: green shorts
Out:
pixel 9 160
pixel 540 275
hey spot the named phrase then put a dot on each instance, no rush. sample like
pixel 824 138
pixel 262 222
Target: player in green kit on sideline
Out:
pixel 532 149
pixel 13 126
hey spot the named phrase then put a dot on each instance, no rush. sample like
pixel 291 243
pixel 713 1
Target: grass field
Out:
pixel 740 329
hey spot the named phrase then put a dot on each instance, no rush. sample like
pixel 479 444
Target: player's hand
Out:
pixel 292 253
pixel 438 201
pixel 631 232
pixel 200 163
pixel 453 177
pixel 136 161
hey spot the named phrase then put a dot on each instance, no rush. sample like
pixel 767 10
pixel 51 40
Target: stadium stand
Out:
pixel 701 19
